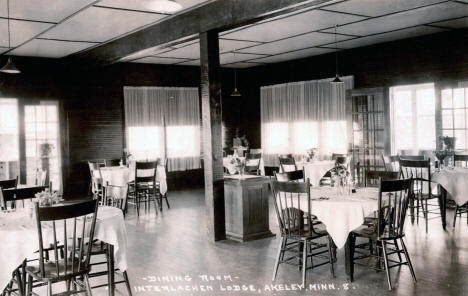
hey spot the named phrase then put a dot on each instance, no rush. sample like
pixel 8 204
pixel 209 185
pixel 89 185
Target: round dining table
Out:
pixel 20 240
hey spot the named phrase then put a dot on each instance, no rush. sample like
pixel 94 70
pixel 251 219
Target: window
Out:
pixel 454 115
pixel 305 136
pixel 144 142
pixel 277 138
pixel 335 137
pixel 413 118
pixel 183 141
pixel 9 147
pixel 42 142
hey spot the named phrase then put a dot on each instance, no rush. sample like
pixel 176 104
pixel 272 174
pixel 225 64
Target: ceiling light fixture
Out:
pixel 337 77
pixel 162 6
pixel 235 93
pixel 9 67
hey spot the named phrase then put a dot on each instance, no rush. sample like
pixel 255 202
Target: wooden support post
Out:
pixel 212 145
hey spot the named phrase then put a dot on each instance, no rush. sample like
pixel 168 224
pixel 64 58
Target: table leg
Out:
pixel 349 254
pixel 412 209
pixel 111 270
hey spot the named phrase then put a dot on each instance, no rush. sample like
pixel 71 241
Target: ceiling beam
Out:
pixel 216 15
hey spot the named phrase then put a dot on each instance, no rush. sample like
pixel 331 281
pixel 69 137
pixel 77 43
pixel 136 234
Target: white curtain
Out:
pixel 163 122
pixel 302 115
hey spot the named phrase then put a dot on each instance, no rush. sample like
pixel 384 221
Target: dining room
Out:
pixel 191 147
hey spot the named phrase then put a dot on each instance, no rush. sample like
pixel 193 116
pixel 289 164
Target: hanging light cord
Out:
pixel 235 72
pixel 8 15
pixel 336 53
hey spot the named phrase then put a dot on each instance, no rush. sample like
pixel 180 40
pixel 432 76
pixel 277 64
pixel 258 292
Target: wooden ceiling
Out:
pixel 102 30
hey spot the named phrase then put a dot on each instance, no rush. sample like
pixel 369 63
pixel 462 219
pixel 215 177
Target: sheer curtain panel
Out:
pixel 301 115
pixel 163 122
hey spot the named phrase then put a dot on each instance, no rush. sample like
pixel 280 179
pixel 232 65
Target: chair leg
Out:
pixel 427 216
pixel 280 252
pixel 397 249
pixel 137 201
pixel 167 202
pixel 408 259
pixel 127 283
pixel 304 263
pixel 455 216
pixel 87 285
pixel 49 289
pixel 30 285
pixel 330 256
pixel 387 270
pixel 417 211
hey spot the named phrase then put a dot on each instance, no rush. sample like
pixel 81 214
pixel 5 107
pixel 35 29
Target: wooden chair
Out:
pixel 111 162
pixel 7 184
pixel 256 151
pixel 96 179
pixel 394 196
pixel 412 157
pixel 76 261
pixel 144 186
pixel 103 249
pixel 420 172
pixel 372 178
pixel 462 161
pixel 290 176
pixel 390 162
pixel 287 163
pixel 297 228
pixel 252 163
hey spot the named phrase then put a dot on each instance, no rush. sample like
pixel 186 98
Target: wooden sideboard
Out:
pixel 246 205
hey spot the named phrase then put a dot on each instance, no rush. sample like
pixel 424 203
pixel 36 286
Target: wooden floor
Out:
pixel 170 252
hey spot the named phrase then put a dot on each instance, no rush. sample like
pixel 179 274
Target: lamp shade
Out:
pixel 236 93
pixel 337 79
pixel 10 68
pixel 163 6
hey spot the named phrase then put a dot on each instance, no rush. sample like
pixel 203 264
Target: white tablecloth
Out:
pixel 19 232
pixel 455 182
pixel 227 163
pixel 120 176
pixel 342 214
pixel 315 170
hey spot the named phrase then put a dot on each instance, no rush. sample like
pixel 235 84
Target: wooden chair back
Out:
pixel 390 162
pixel 340 158
pixel 392 207
pixel 252 163
pixel 111 162
pixel 373 178
pixel 412 157
pixel 110 198
pixel 96 177
pixel 288 197
pixel 420 172
pixel 9 183
pixel 77 222
pixel 460 160
pixel 290 176
pixel 287 163
pixel 145 172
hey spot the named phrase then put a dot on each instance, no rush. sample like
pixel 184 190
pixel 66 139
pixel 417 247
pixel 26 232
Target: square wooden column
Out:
pixel 212 144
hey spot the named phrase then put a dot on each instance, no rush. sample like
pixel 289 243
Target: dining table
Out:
pixel 315 170
pixel 18 230
pixel 341 213
pixel 119 177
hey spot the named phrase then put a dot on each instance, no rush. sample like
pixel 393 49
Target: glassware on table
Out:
pixel 440 155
